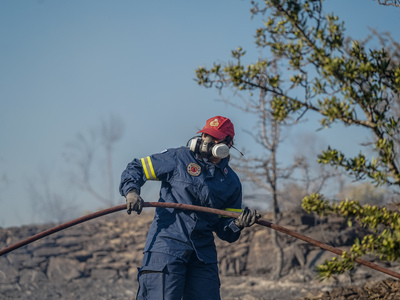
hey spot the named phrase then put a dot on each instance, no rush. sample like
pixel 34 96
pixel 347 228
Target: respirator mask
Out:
pixel 207 148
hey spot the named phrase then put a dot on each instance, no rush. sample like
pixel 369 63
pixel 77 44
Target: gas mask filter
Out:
pixel 207 148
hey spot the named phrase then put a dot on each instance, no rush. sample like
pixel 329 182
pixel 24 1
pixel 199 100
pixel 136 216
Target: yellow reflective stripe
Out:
pixel 231 209
pixel 145 168
pixel 152 169
pixel 148 168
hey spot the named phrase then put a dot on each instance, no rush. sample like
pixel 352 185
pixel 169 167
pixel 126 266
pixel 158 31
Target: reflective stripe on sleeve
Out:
pixel 148 168
pixel 239 210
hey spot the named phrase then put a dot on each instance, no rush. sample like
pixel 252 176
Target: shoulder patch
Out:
pixel 193 169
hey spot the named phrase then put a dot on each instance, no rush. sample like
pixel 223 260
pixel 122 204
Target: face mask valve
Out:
pixel 220 151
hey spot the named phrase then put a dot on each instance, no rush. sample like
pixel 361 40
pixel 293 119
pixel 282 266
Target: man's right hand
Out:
pixel 134 202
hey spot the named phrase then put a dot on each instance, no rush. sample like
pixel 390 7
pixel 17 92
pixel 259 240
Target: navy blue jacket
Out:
pixel 187 178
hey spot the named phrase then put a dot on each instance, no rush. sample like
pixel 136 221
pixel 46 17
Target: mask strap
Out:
pixel 187 144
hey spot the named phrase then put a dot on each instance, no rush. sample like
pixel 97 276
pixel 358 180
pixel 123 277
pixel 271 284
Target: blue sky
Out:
pixel 65 65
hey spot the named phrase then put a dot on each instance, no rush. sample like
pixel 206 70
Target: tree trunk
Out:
pixel 279 250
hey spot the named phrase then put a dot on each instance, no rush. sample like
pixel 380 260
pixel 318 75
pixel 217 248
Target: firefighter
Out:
pixel 180 258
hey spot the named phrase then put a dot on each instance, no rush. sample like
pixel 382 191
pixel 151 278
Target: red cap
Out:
pixel 219 127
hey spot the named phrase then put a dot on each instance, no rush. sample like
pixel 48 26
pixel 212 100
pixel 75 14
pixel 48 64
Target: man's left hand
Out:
pixel 247 218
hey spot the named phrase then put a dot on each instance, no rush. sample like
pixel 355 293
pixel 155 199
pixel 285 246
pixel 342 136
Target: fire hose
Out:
pixel 199 209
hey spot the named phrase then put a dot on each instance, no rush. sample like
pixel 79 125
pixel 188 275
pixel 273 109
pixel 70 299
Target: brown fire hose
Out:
pixel 193 208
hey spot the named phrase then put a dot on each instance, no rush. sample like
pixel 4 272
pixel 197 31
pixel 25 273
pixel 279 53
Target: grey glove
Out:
pixel 134 202
pixel 247 218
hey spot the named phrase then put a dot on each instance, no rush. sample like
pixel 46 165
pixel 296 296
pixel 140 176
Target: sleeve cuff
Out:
pixel 233 227
pixel 128 189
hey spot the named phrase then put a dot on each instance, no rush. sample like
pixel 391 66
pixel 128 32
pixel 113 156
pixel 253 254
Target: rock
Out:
pixel 53 250
pixel 33 262
pixel 8 273
pixel 262 255
pixel 103 274
pixel 81 255
pixel 18 259
pixel 32 279
pixel 63 269
pixel 69 241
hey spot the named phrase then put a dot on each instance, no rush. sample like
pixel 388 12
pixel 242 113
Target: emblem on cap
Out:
pixel 214 123
pixel 193 169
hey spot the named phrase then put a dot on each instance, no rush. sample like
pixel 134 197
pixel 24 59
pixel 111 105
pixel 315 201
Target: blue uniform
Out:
pixel 180 235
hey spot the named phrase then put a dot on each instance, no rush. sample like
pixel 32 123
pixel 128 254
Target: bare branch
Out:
pixel 83 154
pixel 395 3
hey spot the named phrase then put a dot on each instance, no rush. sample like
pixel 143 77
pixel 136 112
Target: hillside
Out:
pixel 99 259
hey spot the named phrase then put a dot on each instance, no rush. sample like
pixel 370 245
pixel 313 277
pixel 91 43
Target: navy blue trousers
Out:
pixel 166 277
